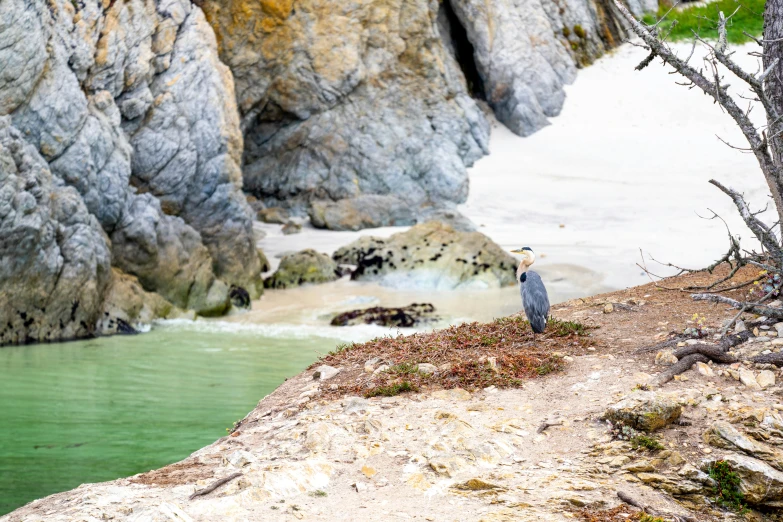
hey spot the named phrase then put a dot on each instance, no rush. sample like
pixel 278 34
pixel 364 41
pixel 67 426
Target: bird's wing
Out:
pixel 535 297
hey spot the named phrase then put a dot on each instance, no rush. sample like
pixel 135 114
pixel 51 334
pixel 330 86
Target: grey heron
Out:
pixel 534 297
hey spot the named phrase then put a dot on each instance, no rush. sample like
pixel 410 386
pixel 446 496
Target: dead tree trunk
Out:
pixel 773 61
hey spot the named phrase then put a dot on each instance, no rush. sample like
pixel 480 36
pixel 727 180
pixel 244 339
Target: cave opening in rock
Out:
pixel 463 51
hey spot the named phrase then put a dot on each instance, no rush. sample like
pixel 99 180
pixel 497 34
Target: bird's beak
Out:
pixel 517 251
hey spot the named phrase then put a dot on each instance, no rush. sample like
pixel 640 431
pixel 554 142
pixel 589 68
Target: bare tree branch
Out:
pixel 758 144
pixel 777 313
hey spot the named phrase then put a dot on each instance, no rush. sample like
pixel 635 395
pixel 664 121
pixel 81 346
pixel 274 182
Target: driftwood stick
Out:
pixel 548 424
pixel 715 353
pixel 212 487
pixel 683 365
pixel 628 499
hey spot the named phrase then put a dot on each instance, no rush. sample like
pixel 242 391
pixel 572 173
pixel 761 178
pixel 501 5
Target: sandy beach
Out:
pixel 623 169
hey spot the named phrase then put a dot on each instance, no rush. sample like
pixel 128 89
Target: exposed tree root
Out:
pixel 770 358
pixel 662 345
pixel 683 365
pixel 714 353
pixel 727 343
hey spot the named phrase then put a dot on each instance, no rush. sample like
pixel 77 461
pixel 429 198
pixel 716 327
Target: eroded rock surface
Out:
pixel 55 262
pixel 127 104
pixel 343 102
pixel 646 411
pixel 430 255
pixel 340 100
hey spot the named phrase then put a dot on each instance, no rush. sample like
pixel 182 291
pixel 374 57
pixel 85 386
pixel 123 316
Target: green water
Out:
pixel 106 408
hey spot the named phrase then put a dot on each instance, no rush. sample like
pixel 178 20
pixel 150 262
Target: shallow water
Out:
pixel 101 409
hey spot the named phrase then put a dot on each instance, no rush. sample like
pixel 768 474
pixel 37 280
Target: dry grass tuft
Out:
pixel 621 513
pixel 503 353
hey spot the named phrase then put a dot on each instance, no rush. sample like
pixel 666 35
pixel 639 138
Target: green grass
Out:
pixel 560 328
pixel 404 369
pixel 391 391
pixel 546 369
pixel 644 517
pixel 489 340
pixel 727 492
pixel 318 493
pixel 704 20
pixel 341 348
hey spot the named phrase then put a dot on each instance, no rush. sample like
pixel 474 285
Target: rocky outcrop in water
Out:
pixel 405 316
pixel 55 263
pixel 305 267
pixel 128 128
pixel 365 114
pixel 430 256
pixel 129 309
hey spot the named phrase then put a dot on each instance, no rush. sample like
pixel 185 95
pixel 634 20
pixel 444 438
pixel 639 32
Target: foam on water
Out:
pixel 359 333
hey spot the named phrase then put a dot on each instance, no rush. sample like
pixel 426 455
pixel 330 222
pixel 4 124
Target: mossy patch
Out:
pixel 476 485
pixel 645 441
pixel 391 390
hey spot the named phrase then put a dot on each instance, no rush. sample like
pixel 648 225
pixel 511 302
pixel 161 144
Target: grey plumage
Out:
pixel 535 300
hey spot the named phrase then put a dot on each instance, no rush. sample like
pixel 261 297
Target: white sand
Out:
pixel 625 166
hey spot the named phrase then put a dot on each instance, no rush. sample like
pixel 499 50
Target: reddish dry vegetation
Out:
pixel 186 472
pixel 502 353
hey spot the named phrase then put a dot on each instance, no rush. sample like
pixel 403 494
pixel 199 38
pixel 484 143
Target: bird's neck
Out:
pixel 521 269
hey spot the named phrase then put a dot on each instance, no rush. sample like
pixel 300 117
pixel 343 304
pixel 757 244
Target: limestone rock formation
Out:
pixel 127 105
pixel 723 435
pixel 430 256
pixel 305 267
pixel 760 484
pixel 646 411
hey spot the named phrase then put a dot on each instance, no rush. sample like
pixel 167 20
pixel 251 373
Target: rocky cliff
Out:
pixel 365 113
pixel 120 146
